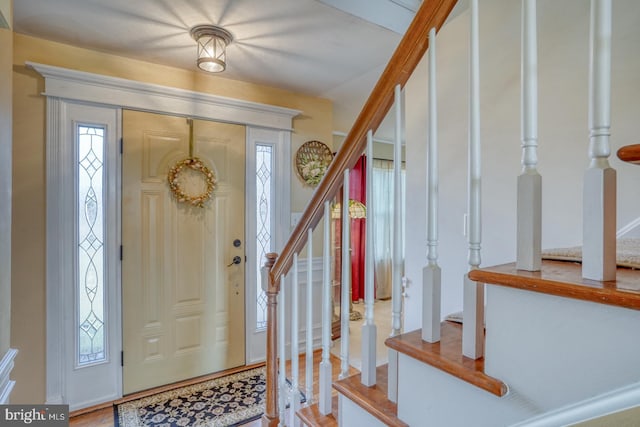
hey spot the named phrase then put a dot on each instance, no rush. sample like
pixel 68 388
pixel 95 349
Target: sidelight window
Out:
pixel 264 198
pixel 90 312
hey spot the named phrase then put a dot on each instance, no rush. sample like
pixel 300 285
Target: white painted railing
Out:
pixel 369 329
pixel 345 289
pixel 401 66
pixel 309 338
pixel 283 387
pixel 599 196
pixel 327 318
pixel 529 214
pixel 398 261
pixel 431 274
pixel 295 351
pixel 473 316
pixel 599 229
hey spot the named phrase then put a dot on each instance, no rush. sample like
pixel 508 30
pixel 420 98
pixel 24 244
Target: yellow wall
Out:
pixel 6 49
pixel 28 328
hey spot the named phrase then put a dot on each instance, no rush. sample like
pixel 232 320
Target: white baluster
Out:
pixel 599 198
pixel 295 351
pixel 529 182
pixel 431 275
pixel 398 262
pixel 309 344
pixel 345 294
pixel 327 317
pixel 473 316
pixel 282 371
pixel 369 330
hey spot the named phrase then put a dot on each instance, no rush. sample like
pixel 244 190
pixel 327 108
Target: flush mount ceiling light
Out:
pixel 212 44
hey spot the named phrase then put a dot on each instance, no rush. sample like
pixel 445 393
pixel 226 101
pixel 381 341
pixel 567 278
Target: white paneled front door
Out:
pixel 183 297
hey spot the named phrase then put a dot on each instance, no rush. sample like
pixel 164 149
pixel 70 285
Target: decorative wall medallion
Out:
pixel 312 161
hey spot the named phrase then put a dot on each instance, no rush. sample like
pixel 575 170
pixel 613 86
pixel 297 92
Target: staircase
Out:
pixel 551 344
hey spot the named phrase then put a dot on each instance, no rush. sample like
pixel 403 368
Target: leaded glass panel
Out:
pixel 264 189
pixel 91 343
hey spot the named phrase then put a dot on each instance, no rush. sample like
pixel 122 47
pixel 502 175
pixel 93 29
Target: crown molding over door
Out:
pixel 82 86
pixel 64 87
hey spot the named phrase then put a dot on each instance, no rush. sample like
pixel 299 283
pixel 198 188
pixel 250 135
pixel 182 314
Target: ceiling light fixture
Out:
pixel 212 45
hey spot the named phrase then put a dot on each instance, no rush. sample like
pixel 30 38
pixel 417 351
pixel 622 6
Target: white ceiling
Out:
pixel 304 46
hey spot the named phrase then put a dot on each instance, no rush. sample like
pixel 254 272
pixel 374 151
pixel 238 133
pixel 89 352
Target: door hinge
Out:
pixel 121 145
pixel 122 358
pixel 120 252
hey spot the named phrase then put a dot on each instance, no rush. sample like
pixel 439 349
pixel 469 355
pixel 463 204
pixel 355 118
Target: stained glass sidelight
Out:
pixel 90 280
pixel 264 183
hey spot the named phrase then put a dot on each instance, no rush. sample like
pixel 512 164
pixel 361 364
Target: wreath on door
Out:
pixel 194 164
pixel 179 194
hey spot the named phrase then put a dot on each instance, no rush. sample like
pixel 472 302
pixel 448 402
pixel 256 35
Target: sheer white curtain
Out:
pixel 383 190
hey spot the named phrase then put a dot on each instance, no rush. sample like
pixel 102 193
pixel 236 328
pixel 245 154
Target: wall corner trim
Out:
pixel 6 366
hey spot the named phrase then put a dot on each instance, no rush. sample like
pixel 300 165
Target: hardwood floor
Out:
pixel 104 417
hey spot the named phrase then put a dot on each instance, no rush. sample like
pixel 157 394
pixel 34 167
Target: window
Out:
pixel 264 226
pixel 91 340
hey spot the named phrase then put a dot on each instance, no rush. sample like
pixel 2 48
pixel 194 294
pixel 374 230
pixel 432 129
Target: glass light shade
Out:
pixel 212 44
pixel 357 210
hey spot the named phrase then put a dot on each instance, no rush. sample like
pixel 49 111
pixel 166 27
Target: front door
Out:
pixel 182 294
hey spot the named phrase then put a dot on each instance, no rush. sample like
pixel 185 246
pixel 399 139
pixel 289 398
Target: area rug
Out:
pixel 227 401
pixel 627 253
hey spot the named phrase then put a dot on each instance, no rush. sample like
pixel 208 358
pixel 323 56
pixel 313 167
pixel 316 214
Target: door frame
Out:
pixel 64 85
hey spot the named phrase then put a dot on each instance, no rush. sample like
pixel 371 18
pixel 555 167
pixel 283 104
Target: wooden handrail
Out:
pixel 414 44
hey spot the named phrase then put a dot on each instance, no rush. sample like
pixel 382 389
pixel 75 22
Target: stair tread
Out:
pixel 630 153
pixel 562 278
pixel 311 416
pixel 447 356
pixel 372 399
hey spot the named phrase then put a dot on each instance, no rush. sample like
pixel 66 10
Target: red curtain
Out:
pixel 358 191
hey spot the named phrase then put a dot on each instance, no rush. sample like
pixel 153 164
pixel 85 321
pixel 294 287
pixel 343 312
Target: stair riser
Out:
pixel 429 394
pixel 556 350
pixel 350 414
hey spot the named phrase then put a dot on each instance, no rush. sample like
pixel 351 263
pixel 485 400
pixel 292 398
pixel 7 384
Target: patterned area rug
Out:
pixel 227 401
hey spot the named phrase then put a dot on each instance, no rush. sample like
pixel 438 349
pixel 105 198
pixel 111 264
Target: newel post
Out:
pixel 271 288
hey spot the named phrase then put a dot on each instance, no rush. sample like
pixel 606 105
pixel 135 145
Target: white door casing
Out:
pixel 62 86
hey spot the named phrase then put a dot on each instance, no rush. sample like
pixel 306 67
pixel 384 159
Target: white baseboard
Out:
pixel 6 366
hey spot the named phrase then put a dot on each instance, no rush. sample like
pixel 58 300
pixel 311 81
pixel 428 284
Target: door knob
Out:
pixel 236 260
